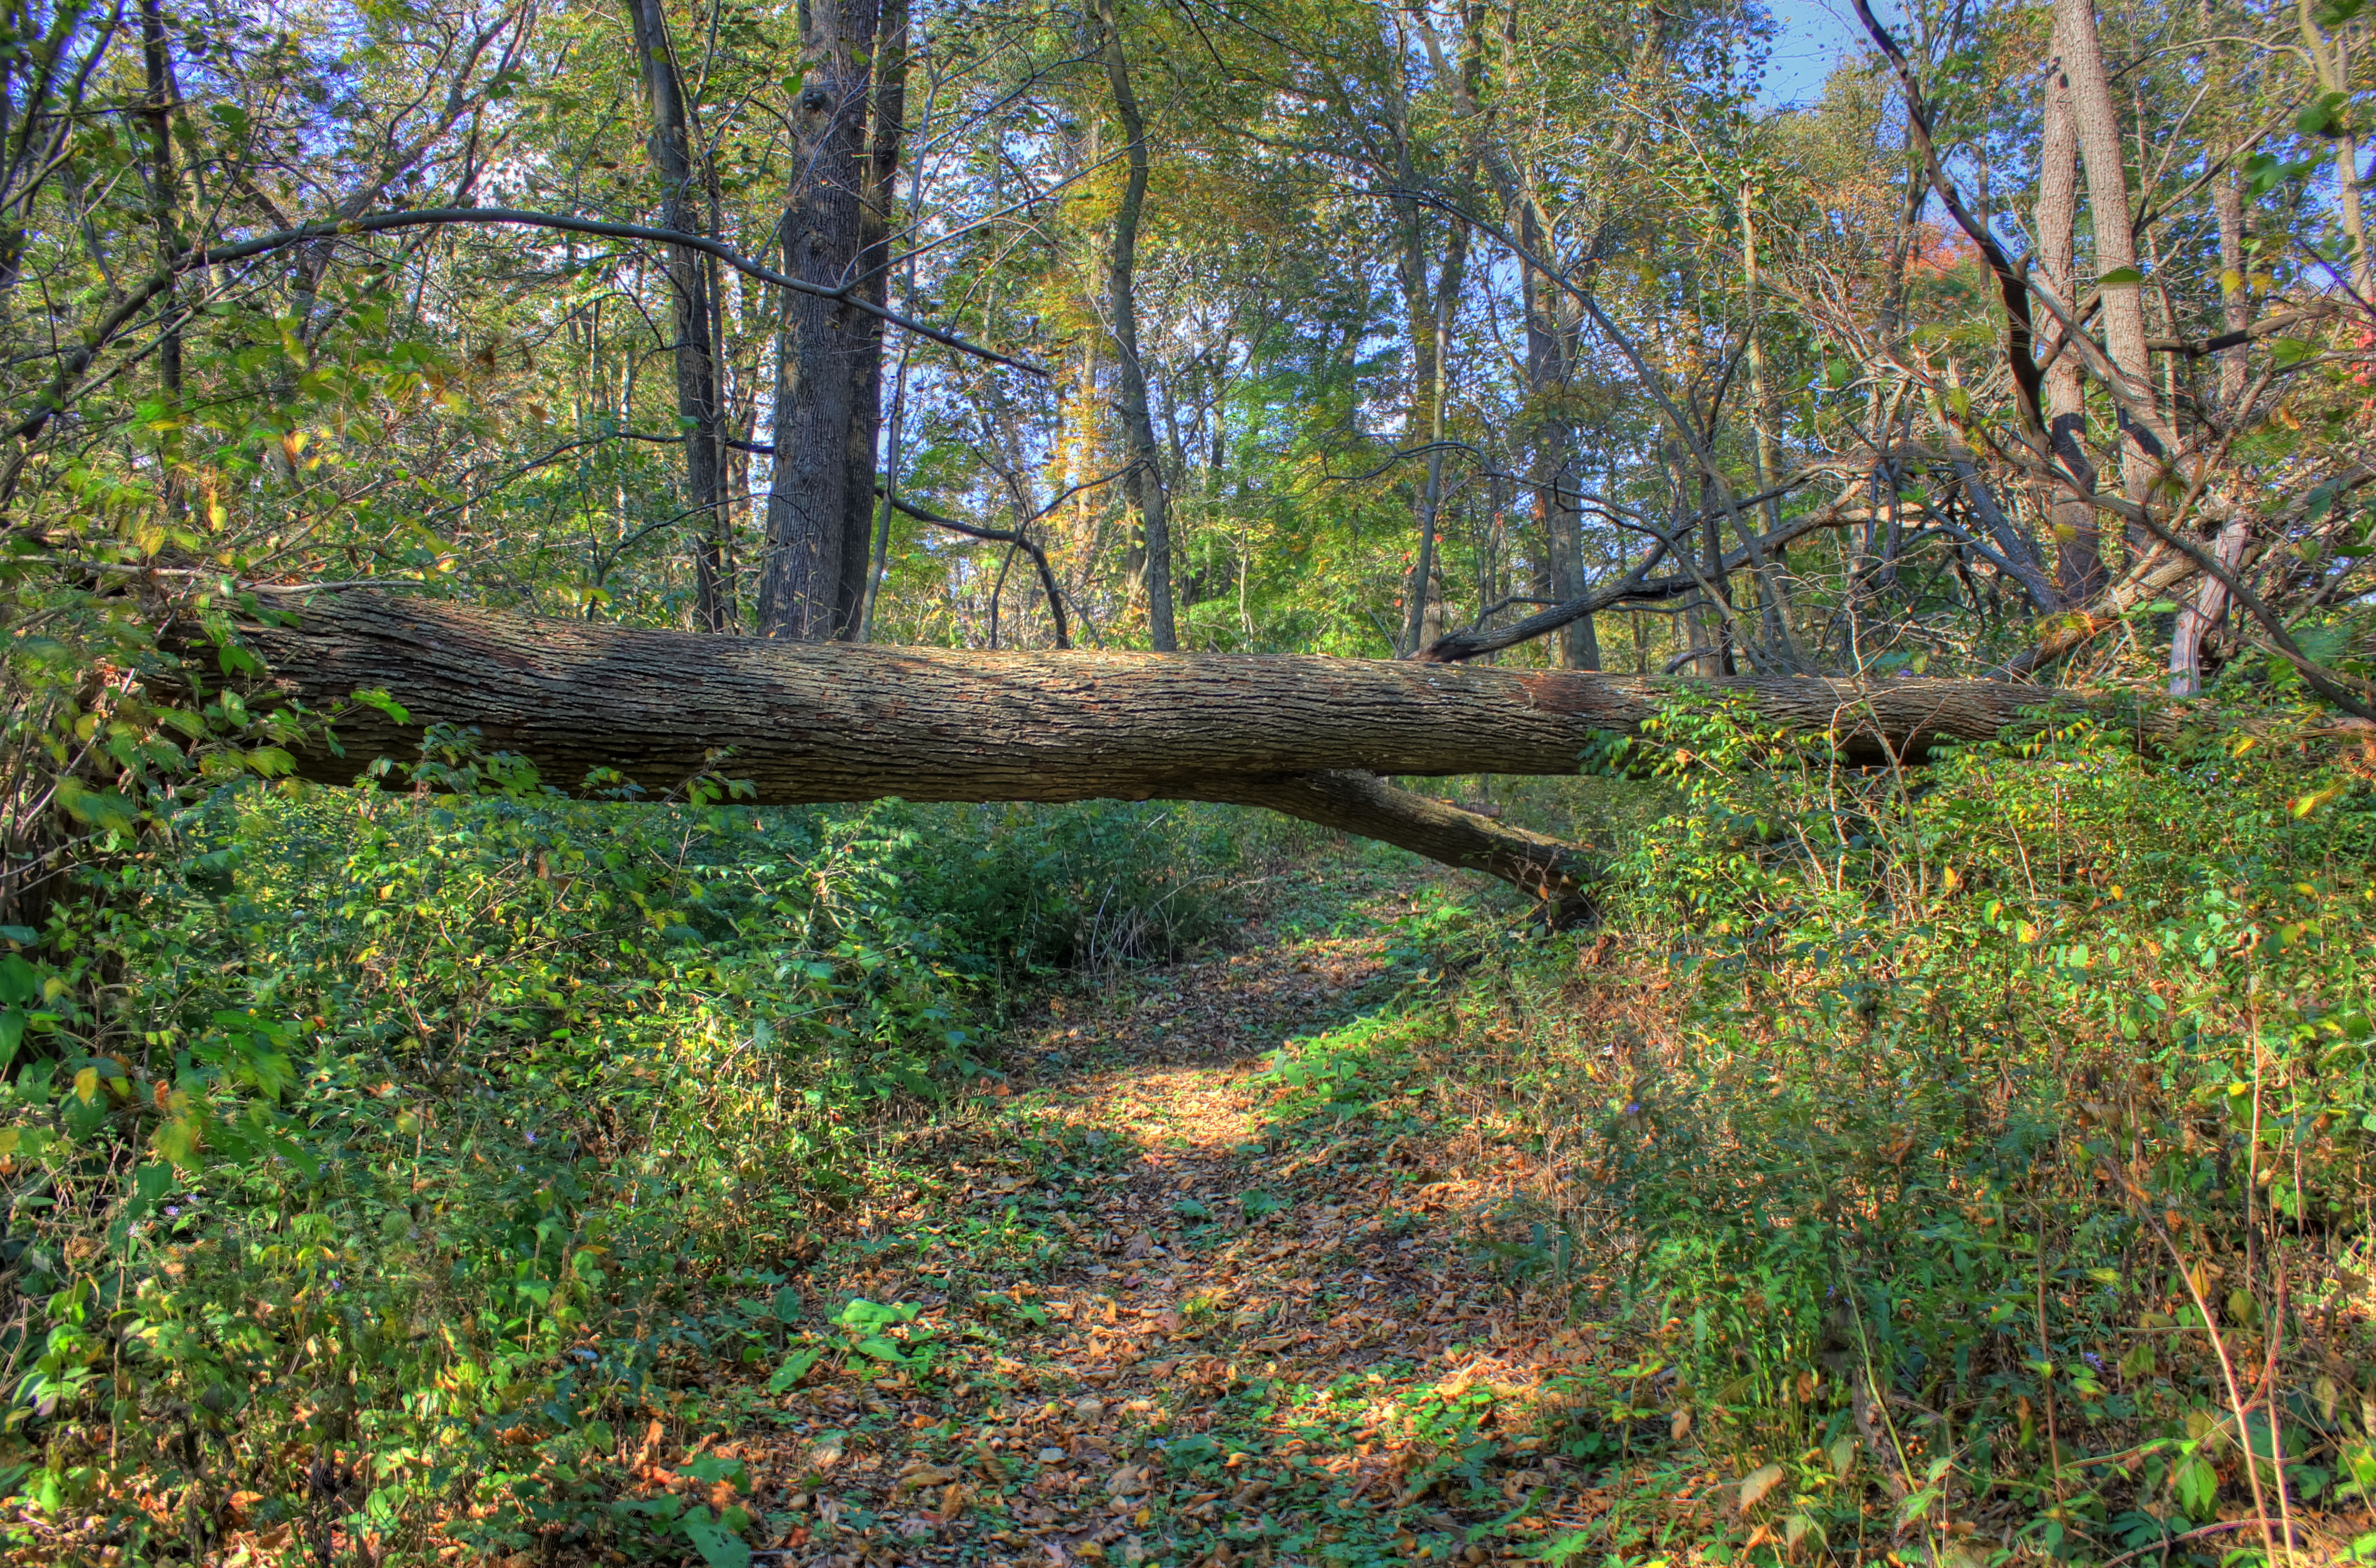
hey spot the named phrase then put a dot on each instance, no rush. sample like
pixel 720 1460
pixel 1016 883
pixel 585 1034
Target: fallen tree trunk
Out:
pixel 1362 804
pixel 814 722
pixel 811 722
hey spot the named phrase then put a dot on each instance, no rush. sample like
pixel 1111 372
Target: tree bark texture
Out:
pixel 2210 607
pixel 1550 441
pixel 2235 294
pixel 1431 330
pixel 1143 484
pixel 822 344
pixel 807 723
pixel 1362 803
pixel 2096 120
pixel 698 407
pixel 2079 574
pixel 886 131
pixel 164 192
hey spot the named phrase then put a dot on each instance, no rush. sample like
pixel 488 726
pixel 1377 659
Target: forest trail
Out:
pixel 1182 1296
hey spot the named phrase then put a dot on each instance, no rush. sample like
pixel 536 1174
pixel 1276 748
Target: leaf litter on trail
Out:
pixel 1165 1326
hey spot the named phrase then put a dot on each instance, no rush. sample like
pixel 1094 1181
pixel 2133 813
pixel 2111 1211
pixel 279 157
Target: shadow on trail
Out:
pixel 1227 1276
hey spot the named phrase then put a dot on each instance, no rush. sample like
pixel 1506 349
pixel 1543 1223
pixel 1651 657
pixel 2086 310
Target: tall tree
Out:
pixel 691 284
pixel 2095 121
pixel 2079 572
pixel 885 133
pixel 822 346
pixel 1144 481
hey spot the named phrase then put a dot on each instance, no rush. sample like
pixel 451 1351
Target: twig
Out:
pixel 2166 1544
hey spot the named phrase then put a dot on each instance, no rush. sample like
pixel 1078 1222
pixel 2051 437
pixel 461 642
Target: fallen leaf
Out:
pixel 915 1477
pixel 1757 1483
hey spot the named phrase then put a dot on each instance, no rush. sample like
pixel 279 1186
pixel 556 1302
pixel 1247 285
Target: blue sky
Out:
pixel 1811 35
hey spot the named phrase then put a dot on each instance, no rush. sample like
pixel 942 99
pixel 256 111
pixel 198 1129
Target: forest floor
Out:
pixel 1218 1273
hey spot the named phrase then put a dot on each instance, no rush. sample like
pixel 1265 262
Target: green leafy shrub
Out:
pixel 375 1157
pixel 1977 1122
pixel 1087 886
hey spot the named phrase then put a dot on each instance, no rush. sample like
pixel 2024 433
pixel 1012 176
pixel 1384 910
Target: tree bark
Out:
pixel 1431 328
pixel 690 287
pixel 2235 291
pixel 2331 63
pixel 1773 594
pixel 2210 607
pixel 164 197
pixel 156 118
pixel 1363 804
pixel 804 722
pixel 1550 439
pixel 820 349
pixel 1143 484
pixel 810 723
pixel 2079 574
pixel 2097 121
pixel 885 133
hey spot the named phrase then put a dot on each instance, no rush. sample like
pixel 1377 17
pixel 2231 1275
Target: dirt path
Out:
pixel 1183 1296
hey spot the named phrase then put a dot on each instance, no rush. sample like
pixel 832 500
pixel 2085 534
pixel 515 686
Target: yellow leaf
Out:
pixel 86 1085
pixel 9 1137
pixel 1757 1483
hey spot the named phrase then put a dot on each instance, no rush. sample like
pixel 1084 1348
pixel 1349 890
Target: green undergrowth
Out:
pixel 1969 1165
pixel 372 1161
pixel 1976 1162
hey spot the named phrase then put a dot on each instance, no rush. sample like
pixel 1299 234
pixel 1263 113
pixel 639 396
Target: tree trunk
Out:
pixel 1773 593
pixel 1551 438
pixel 1143 484
pixel 1712 567
pixel 2235 291
pixel 822 343
pixel 2331 65
pixel 1431 327
pixel 670 144
pixel 2210 607
pixel 164 199
pixel 887 131
pixel 1362 803
pixel 2079 574
pixel 2097 124
pixel 809 723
